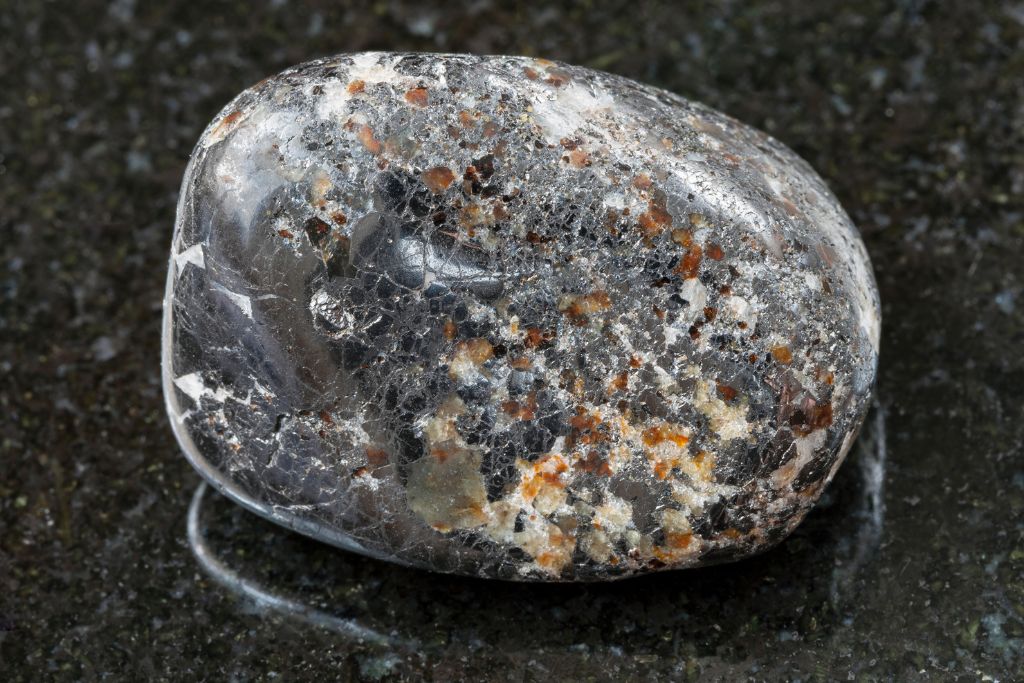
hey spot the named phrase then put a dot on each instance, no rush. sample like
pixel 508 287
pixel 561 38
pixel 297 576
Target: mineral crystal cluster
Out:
pixel 511 318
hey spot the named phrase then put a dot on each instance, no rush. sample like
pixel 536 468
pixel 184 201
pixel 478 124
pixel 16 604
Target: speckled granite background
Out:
pixel 912 567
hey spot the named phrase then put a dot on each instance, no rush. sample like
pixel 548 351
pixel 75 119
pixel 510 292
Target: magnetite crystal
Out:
pixel 512 318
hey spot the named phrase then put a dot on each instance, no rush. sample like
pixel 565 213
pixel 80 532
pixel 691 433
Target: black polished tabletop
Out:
pixel 116 564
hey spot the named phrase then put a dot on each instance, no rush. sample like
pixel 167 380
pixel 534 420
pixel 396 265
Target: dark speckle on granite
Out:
pixel 912 566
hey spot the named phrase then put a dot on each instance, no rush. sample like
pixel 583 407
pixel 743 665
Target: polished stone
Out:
pixel 906 109
pixel 512 318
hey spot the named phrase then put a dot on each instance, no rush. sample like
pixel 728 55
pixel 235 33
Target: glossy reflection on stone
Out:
pixel 512 318
pixel 823 569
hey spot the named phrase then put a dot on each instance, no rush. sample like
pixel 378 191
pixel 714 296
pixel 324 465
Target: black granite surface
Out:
pixel 912 568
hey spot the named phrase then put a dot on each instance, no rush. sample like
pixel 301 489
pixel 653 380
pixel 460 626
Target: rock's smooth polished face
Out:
pixel 512 318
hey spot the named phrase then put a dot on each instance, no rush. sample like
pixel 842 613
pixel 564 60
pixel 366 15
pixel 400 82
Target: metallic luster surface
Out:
pixel 512 318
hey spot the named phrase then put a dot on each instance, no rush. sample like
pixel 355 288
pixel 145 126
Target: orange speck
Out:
pixel 682 237
pixel 642 182
pixel 594 464
pixel 561 466
pixel 477 350
pixel 578 158
pixel 551 561
pixel 356 86
pixel 547 471
pixel 473 215
pixel 321 186
pixel 620 382
pixel 584 420
pixel 416 97
pixel 366 138
pixel 715 252
pixel 661 469
pixel 726 392
pixel 287 234
pixel 556 78
pixel 584 429
pixel 227 121
pixel 535 337
pixel 782 354
pixel 817 416
pixel 376 457
pixel 704 463
pixel 441 454
pixel 553 478
pixel 580 307
pixel 450 329
pixel 677 540
pixel 466 118
pixel 525 410
pixel 437 179
pixel 689 266
pixel 654 220
pixel 659 434
pixel 531 488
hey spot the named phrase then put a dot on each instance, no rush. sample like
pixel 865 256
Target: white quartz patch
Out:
pixel 193 255
pixel 193 386
pixel 243 302
pixel 370 68
pixel 569 110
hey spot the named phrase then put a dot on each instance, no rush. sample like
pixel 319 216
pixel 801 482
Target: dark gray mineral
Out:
pixel 512 318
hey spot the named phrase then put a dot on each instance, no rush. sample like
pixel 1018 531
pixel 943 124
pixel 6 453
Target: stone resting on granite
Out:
pixel 511 318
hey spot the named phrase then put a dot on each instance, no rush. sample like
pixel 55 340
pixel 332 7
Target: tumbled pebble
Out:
pixel 512 318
